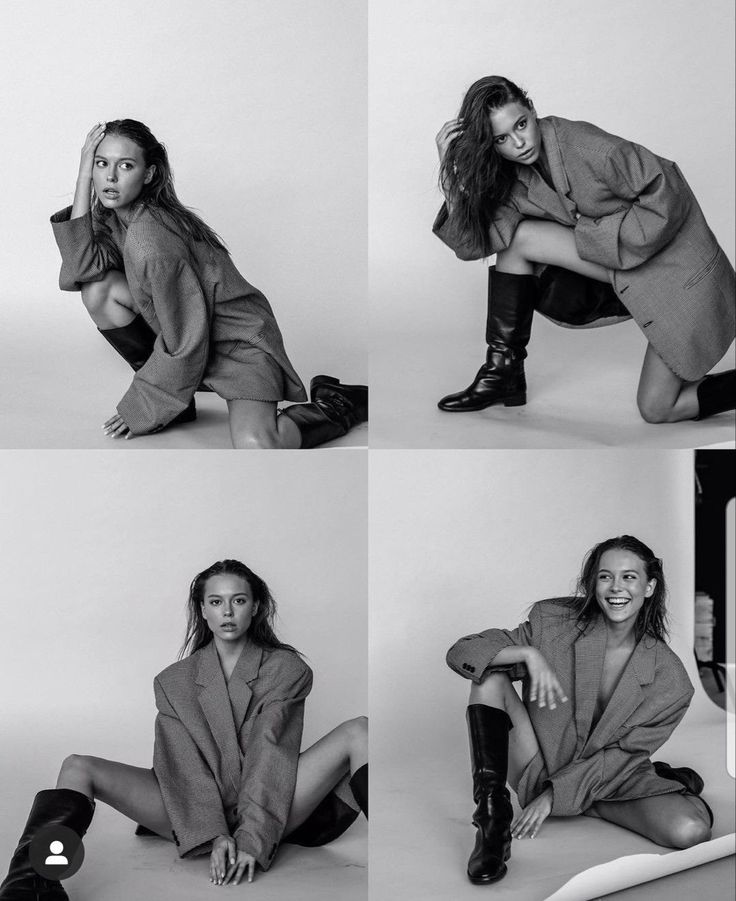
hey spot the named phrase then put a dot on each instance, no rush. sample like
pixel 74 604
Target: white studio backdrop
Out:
pixel 659 73
pixel 98 552
pixel 263 109
pixel 465 541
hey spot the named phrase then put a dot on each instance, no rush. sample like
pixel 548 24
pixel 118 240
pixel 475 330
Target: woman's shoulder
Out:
pixel 153 234
pixel 179 671
pixel 581 136
pixel 670 668
pixel 283 664
pixel 553 608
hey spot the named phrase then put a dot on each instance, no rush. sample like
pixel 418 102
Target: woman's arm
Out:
pixel 166 383
pixel 579 784
pixel 656 201
pixel 268 774
pixel 83 191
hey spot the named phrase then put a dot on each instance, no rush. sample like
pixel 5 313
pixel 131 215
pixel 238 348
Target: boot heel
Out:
pixel 515 400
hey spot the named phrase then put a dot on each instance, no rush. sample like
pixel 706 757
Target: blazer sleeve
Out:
pixel 656 203
pixel 163 387
pixel 471 656
pixel 501 232
pixel 82 258
pixel 579 784
pixel 188 787
pixel 268 774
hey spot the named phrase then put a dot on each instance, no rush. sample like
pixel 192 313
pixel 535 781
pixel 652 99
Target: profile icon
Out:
pixel 56 858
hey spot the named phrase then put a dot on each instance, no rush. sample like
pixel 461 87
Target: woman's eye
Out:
pixel 100 163
pixel 522 123
pixel 501 139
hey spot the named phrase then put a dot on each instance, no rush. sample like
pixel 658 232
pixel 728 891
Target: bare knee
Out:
pixel 654 410
pixel 356 732
pixel 687 830
pixel 77 766
pixel 256 439
pixel 492 689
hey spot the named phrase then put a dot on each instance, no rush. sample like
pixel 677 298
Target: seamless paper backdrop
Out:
pixel 262 107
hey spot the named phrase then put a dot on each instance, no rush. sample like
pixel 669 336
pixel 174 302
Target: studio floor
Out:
pixel 61 385
pixel 581 394
pixel 421 834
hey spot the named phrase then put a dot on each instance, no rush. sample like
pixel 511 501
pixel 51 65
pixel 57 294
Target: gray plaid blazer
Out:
pixel 226 753
pixel 583 762
pixel 637 217
pixel 195 300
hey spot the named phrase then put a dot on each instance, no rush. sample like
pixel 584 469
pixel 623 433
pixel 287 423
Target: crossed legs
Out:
pixel 673 820
pixel 662 396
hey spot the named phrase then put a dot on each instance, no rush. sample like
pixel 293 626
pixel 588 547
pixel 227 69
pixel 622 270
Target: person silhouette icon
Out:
pixel 56 858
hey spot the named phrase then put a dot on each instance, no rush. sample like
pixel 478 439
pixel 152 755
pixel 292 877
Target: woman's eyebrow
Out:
pixel 127 159
pixel 523 116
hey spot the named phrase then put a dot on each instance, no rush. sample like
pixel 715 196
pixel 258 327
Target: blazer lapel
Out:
pixel 627 695
pixel 246 670
pixel 590 648
pixel 215 703
pixel 556 202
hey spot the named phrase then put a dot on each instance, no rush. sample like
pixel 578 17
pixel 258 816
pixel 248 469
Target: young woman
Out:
pixel 601 691
pixel 228 779
pixel 619 233
pixel 162 289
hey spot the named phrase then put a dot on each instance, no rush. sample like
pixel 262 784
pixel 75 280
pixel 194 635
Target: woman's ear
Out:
pixel 150 172
pixel 651 585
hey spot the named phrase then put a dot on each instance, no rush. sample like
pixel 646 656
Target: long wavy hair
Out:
pixel 473 176
pixel 652 618
pixel 158 194
pixel 261 631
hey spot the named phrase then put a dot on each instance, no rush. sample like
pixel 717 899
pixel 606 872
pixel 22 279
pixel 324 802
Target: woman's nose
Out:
pixel 518 142
pixel 112 174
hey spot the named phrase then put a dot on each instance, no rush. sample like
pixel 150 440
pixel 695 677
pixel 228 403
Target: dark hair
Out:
pixel 652 618
pixel 158 194
pixel 473 176
pixel 261 628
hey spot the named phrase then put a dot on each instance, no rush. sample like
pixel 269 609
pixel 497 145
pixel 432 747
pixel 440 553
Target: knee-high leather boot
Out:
pixel 359 787
pixel 488 729
pixel 53 807
pixel 134 342
pixel 334 410
pixel 717 394
pixel 501 379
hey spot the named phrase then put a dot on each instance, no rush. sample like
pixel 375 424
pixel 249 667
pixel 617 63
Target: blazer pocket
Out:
pixel 702 273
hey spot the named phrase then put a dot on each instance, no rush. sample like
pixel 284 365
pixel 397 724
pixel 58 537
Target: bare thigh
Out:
pixel 538 241
pixel 324 764
pixel 256 425
pixel 497 690
pixel 133 791
pixel 673 821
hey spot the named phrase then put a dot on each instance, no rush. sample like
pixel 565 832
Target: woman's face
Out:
pixel 228 607
pixel 516 135
pixel 119 173
pixel 621 586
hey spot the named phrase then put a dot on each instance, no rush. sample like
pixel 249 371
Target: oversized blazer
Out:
pixel 226 753
pixel 581 760
pixel 634 213
pixel 201 308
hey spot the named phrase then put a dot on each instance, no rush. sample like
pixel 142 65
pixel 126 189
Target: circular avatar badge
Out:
pixel 56 852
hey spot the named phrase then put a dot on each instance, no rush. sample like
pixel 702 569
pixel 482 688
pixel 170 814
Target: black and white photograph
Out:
pixel 184 676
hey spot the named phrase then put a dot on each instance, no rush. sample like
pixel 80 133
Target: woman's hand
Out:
pixel 445 135
pixel 91 142
pixel 227 864
pixel 545 686
pixel 116 428
pixel 529 821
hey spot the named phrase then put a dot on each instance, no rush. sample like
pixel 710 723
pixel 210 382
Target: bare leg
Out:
pixel 256 425
pixel 496 690
pixel 132 790
pixel 323 765
pixel 662 395
pixel 674 820
pixel 109 301
pixel 537 241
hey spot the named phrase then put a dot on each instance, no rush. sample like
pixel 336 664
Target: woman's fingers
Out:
pixel 116 428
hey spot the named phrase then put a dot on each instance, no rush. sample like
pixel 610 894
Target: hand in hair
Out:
pixel 446 135
pixel 91 142
pixel 227 864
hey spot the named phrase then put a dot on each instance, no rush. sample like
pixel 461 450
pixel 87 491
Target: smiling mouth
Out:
pixel 617 602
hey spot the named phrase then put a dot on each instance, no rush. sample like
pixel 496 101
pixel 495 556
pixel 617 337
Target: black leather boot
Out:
pixel 359 787
pixel 134 342
pixel 717 394
pixel 501 379
pixel 488 728
pixel 686 776
pixel 53 807
pixel 330 818
pixel 334 410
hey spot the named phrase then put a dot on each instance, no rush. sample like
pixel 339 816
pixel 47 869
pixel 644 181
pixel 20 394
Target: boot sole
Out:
pixel 480 881
pixel 516 400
